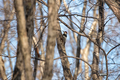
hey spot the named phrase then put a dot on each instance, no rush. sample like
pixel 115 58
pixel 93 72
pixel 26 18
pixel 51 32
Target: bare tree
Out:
pixel 24 43
pixel 114 6
pixel 51 40
pixel 32 42
pixel 62 52
pixel 99 40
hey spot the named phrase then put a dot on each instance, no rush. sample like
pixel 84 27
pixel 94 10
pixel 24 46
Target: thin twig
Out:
pixel 113 48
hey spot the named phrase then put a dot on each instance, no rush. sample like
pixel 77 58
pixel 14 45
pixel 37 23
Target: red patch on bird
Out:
pixel 65 32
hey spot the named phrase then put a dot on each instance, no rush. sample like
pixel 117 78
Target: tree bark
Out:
pixel 19 69
pixel 99 39
pixel 114 5
pixel 62 52
pixel 36 55
pixel 23 39
pixel 42 23
pixel 29 6
pixel 65 62
pixel 51 40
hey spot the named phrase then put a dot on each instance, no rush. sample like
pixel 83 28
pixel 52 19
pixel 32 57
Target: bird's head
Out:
pixel 65 32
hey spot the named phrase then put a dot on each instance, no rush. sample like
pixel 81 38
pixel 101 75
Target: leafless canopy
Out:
pixel 32 45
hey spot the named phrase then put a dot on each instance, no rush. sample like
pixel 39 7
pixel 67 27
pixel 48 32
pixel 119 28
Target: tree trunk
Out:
pixel 29 6
pixel 19 69
pixel 114 5
pixel 62 52
pixel 51 40
pixel 42 23
pixel 82 27
pixel 23 39
pixel 99 39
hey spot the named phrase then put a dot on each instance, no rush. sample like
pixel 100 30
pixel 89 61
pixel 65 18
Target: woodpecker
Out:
pixel 64 36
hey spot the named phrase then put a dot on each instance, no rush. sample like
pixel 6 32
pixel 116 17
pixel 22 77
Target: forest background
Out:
pixel 32 46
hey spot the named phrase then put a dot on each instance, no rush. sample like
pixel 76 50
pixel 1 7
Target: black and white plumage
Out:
pixel 64 36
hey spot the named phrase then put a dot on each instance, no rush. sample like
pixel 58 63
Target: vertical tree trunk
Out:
pixel 29 6
pixel 19 69
pixel 101 25
pixel 23 38
pixel 82 27
pixel 95 63
pixel 42 23
pixel 36 55
pixel 2 70
pixel 99 39
pixel 101 22
pixel 62 52
pixel 51 40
